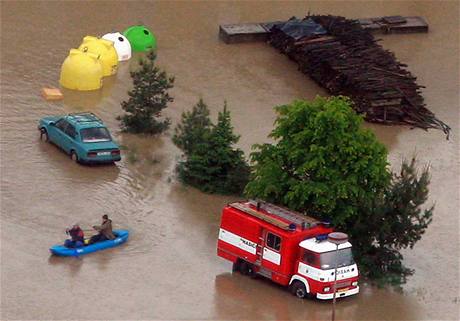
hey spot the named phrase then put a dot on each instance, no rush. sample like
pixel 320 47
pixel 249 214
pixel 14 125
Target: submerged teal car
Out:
pixel 81 135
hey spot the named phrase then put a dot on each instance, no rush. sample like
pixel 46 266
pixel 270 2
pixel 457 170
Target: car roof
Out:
pixel 84 120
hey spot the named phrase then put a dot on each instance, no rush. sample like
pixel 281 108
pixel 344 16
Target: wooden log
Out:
pixel 350 62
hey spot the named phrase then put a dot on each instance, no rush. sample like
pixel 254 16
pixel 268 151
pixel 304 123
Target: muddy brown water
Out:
pixel 168 269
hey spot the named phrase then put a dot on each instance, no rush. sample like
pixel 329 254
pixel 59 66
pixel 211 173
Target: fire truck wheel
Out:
pixel 247 269
pixel 236 266
pixel 298 289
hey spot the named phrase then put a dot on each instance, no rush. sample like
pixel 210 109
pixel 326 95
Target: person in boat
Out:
pixel 76 237
pixel 105 231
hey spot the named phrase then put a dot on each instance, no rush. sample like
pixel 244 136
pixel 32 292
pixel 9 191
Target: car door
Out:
pixel 68 138
pixel 57 132
pixel 54 129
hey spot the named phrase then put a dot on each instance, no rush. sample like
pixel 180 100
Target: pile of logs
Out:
pixel 348 61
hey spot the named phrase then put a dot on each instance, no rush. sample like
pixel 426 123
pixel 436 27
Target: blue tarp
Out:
pixel 299 29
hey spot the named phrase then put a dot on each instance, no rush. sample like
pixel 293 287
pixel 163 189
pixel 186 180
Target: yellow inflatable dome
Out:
pixel 81 71
pixel 105 50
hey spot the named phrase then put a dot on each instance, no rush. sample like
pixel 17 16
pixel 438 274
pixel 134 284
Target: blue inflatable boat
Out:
pixel 61 250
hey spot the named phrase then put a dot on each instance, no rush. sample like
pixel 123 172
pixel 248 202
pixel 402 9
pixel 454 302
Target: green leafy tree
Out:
pixel 323 161
pixel 210 161
pixel 325 164
pixel 147 99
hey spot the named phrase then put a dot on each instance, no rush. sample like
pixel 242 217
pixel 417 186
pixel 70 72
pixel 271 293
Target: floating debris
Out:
pixel 347 60
pixel 52 94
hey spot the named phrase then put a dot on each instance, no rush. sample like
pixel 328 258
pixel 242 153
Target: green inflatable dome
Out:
pixel 140 38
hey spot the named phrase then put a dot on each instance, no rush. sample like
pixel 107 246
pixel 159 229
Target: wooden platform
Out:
pixel 394 24
pixel 253 32
pixel 246 32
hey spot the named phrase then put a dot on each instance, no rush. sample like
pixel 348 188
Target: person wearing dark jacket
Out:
pixel 105 231
pixel 76 237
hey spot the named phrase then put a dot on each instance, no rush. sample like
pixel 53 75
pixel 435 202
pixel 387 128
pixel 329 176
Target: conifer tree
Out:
pixel 396 221
pixel 193 128
pixel 147 99
pixel 192 136
pixel 210 162
pixel 228 167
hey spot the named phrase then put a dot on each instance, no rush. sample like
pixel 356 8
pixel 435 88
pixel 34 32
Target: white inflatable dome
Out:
pixel 121 44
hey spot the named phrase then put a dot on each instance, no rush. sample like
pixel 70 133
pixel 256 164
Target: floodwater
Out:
pixel 168 269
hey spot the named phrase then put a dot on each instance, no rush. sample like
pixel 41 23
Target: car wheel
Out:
pixel 74 156
pixel 44 135
pixel 298 289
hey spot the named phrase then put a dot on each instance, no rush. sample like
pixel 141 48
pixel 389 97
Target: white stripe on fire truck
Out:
pixel 327 275
pixel 238 241
pixel 272 256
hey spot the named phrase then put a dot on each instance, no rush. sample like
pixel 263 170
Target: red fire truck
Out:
pixel 289 248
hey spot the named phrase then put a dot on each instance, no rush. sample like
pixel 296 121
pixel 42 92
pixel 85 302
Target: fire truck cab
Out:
pixel 287 247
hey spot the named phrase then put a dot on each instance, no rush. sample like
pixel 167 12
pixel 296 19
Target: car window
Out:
pixel 62 124
pixel 70 130
pixel 273 241
pixel 95 135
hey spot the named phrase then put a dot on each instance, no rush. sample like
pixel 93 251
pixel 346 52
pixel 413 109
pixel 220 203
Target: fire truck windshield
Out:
pixel 344 258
